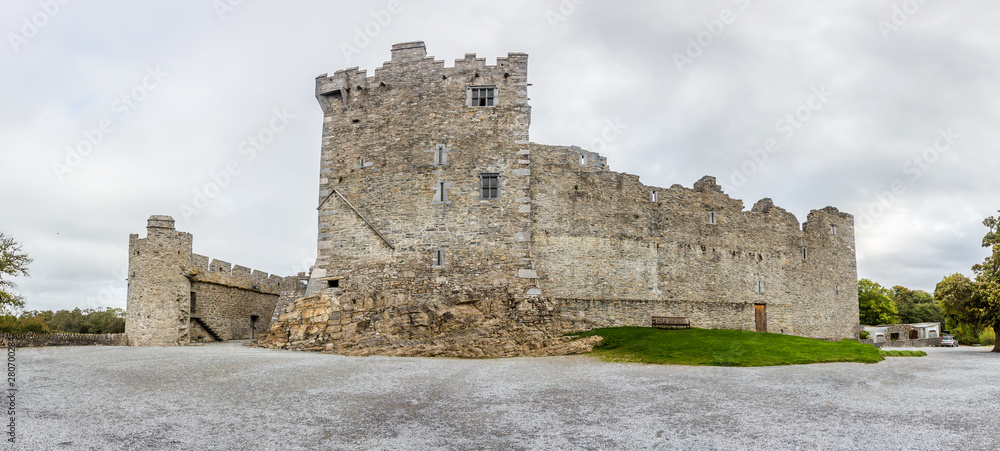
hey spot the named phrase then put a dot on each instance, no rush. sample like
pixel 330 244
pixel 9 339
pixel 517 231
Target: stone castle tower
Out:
pixel 158 293
pixel 425 168
pixel 440 222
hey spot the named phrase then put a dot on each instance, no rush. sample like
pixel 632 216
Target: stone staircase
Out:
pixel 204 325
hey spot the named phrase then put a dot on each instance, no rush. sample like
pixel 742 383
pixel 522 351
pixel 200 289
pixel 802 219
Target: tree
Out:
pixel 977 303
pixel 916 306
pixel 874 304
pixel 954 293
pixel 13 262
pixel 984 306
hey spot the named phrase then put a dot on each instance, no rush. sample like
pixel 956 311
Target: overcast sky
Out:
pixel 112 111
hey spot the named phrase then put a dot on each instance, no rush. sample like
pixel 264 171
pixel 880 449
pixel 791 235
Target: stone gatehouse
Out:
pixel 444 230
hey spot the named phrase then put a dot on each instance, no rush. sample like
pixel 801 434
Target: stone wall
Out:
pixel 164 276
pixel 60 339
pixel 916 343
pixel 586 314
pixel 603 235
pixel 230 310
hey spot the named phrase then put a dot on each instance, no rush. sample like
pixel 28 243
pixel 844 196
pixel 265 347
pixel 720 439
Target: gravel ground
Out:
pixel 229 397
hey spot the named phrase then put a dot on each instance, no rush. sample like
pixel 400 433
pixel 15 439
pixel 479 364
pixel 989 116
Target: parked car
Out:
pixel 948 340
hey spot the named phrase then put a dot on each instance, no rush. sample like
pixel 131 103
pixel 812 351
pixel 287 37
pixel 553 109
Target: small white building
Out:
pixel 926 330
pixel 904 334
pixel 877 333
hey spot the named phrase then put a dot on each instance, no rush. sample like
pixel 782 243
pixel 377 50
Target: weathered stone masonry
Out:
pixel 176 296
pixel 603 236
pixel 419 253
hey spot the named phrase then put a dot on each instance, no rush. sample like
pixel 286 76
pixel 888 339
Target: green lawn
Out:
pixel 723 347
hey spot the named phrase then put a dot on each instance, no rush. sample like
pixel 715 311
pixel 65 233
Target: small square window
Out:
pixel 489 186
pixel 333 283
pixel 478 96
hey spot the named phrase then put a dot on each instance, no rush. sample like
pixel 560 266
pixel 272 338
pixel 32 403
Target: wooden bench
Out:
pixel 671 322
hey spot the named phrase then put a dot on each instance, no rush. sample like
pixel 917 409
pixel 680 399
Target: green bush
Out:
pixel 76 321
pixel 967 335
pixel 12 325
pixel 903 353
pixel 864 335
pixel 987 338
pixel 34 325
pixel 9 324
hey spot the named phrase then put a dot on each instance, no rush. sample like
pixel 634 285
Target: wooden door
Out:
pixel 761 317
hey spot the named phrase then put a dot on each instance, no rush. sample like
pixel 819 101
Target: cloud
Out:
pixel 603 62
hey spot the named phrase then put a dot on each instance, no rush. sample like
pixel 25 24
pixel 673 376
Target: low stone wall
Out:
pixel 33 340
pixel 916 343
pixel 591 313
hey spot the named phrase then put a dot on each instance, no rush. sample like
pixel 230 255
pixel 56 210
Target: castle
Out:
pixel 443 230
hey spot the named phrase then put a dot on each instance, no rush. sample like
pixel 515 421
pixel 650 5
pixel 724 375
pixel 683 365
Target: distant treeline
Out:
pixel 76 321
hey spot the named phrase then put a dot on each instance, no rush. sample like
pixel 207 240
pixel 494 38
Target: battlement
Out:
pixel 220 271
pixel 593 167
pixel 409 66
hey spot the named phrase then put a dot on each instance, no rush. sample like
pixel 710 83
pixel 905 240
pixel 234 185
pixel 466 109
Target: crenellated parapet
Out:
pixel 349 88
pixel 205 269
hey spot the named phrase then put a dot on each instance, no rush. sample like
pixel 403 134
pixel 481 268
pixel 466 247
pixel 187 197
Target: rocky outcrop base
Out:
pixel 325 324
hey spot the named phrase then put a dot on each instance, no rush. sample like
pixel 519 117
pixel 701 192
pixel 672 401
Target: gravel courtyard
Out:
pixel 228 397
